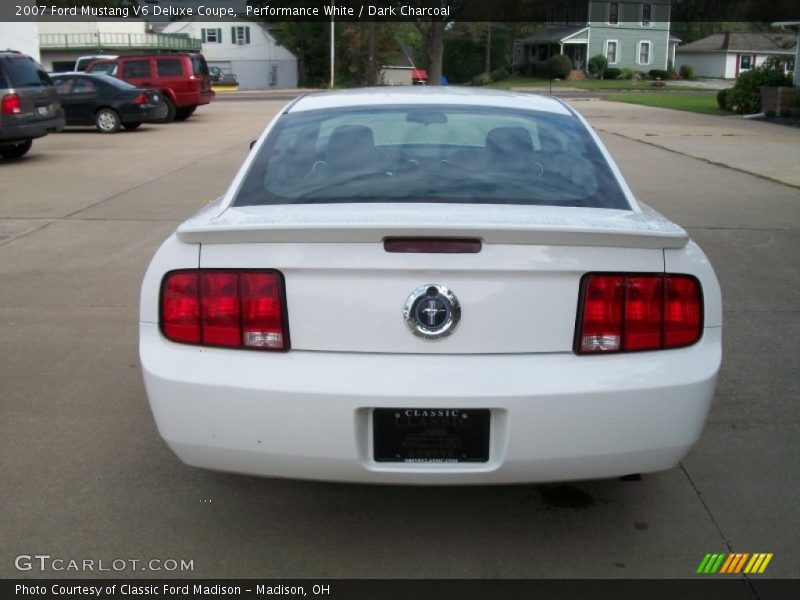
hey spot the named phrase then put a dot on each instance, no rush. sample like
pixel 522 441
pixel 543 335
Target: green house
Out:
pixel 629 34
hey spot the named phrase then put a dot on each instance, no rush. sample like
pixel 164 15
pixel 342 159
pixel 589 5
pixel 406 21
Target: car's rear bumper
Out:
pixel 18 132
pixel 143 114
pixel 308 414
pixel 186 99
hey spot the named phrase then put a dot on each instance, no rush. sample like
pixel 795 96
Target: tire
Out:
pixel 170 116
pixel 17 150
pixel 182 114
pixel 132 126
pixel 107 120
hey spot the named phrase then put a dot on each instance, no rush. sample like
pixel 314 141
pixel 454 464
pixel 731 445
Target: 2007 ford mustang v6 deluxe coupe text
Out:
pixel 430 286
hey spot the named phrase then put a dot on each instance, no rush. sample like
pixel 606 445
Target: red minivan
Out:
pixel 183 79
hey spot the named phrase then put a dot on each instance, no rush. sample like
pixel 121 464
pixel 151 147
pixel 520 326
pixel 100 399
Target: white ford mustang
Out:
pixel 430 286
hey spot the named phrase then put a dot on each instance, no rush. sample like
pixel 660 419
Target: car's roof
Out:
pixel 102 76
pixel 109 58
pixel 13 54
pixel 429 95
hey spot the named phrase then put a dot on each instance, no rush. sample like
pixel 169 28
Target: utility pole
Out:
pixel 371 75
pixel 488 66
pixel 333 62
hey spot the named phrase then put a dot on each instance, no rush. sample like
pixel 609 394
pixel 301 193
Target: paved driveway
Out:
pixel 85 475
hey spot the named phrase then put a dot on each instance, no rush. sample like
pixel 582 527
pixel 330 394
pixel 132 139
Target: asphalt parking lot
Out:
pixel 85 475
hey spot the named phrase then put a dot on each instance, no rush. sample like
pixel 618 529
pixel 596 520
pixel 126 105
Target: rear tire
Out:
pixel 107 120
pixel 17 150
pixel 182 114
pixel 170 116
pixel 132 126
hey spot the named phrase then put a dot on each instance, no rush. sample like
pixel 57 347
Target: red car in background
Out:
pixel 183 79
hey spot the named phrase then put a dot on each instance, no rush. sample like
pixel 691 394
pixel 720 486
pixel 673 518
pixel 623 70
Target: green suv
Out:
pixel 29 106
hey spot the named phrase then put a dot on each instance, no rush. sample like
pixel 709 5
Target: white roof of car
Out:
pixel 428 95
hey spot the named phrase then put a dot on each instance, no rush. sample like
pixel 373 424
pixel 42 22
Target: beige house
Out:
pixel 727 55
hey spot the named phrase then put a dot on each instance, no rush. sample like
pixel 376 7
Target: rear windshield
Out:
pixel 103 67
pixel 117 83
pixel 25 72
pixel 82 63
pixel 199 66
pixel 440 154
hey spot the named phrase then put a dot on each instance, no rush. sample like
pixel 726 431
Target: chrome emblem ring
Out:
pixel 432 312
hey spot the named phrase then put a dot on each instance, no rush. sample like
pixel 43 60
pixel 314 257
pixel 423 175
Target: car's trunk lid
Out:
pixel 345 293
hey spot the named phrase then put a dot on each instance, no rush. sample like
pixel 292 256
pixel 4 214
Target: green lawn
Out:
pixel 704 103
pixel 583 84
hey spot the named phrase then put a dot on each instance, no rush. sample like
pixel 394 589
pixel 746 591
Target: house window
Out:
pixel 611 51
pixel 240 35
pixel 211 36
pixel 647 14
pixel 644 53
pixel 613 13
pixel 745 62
pixel 273 75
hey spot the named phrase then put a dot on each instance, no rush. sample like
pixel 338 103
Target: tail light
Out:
pixel 227 308
pixel 140 99
pixel 11 104
pixel 620 312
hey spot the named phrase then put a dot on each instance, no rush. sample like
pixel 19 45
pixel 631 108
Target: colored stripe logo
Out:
pixel 737 562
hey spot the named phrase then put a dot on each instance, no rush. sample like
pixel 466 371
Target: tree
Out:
pixel 308 41
pixel 432 33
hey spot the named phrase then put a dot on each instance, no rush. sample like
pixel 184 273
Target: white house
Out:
pixel 726 55
pixel 22 37
pixel 245 49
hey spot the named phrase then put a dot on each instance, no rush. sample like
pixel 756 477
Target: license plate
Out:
pixel 42 111
pixel 155 97
pixel 425 435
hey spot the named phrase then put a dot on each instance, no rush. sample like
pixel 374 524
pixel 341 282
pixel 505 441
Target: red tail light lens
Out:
pixel 626 313
pixel 180 307
pixel 219 297
pixel 140 99
pixel 11 104
pixel 683 311
pixel 228 308
pixel 262 311
pixel 602 314
pixel 643 311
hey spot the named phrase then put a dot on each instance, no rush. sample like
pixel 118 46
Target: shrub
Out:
pixel 535 69
pixel 670 66
pixel 499 74
pixel 659 74
pixel 614 73
pixel 745 96
pixel 627 73
pixel 559 66
pixel 481 79
pixel 723 99
pixel 687 72
pixel 598 65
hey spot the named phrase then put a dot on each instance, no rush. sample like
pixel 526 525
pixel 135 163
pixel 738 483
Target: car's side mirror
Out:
pixel 252 143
